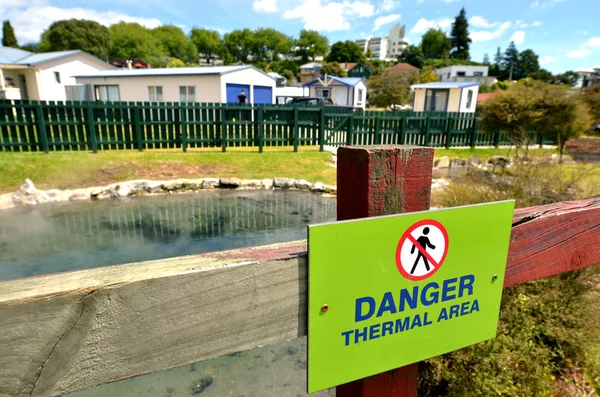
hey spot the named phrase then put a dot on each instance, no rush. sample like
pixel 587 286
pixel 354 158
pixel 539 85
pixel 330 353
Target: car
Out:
pixel 312 101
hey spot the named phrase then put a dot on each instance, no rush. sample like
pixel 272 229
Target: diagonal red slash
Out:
pixel 422 250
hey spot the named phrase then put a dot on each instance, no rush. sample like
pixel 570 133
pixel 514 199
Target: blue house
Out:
pixel 343 91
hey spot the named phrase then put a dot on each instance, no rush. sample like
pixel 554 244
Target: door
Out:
pixel 234 91
pixel 263 95
pixel 23 87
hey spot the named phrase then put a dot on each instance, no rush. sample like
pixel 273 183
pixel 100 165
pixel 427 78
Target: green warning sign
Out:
pixel 391 291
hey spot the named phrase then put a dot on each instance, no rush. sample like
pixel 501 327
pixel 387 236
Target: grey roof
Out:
pixel 10 55
pixel 192 71
pixel 444 85
pixel 351 81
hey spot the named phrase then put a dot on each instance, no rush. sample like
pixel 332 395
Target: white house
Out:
pixel 465 74
pixel 445 97
pixel 196 84
pixel 343 91
pixel 43 77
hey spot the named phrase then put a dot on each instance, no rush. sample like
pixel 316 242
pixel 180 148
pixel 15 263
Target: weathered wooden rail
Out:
pixel 71 331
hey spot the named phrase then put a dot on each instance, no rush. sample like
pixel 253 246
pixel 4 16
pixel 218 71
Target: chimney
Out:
pixel 129 64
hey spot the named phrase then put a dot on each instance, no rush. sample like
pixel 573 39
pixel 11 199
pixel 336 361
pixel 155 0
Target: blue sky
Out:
pixel 564 33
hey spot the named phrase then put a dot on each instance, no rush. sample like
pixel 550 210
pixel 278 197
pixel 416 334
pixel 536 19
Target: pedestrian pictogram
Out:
pixel 422 250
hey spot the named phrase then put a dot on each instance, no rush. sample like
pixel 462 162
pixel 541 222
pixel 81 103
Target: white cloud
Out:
pixel 388 5
pixel 518 37
pixel 265 5
pixel 424 25
pixel 478 36
pixel 545 3
pixel 547 59
pixel 329 16
pixel 535 24
pixel 481 22
pixel 31 18
pixel 379 22
pixel 578 54
pixel 593 42
pixel 450 1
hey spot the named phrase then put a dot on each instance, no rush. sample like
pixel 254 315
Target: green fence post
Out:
pixel 378 131
pixel 449 131
pixel 183 125
pixel 497 138
pixel 540 140
pixel 137 127
pixel 261 129
pixel 91 127
pixel 402 130
pixel 296 128
pixel 474 134
pixel 223 128
pixel 322 129
pixel 427 136
pixel 349 129
pixel 41 127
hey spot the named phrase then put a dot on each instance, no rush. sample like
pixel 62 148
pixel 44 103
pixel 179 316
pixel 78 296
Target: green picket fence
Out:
pixel 30 126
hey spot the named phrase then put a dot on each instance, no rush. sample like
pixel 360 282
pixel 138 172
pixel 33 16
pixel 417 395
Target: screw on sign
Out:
pixel 422 250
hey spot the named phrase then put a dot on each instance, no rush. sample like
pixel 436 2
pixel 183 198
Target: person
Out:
pixel 242 97
pixel 424 242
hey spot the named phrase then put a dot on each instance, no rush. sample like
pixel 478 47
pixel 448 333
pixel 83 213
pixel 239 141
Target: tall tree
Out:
pixel 31 47
pixel 176 43
pixel 591 97
pixel 77 34
pixel 8 35
pixel 391 89
pixel 511 58
pixel 131 41
pixel 311 44
pixel 334 69
pixel 271 43
pixel 459 36
pixel 498 58
pixel 486 59
pixel 528 62
pixel 435 44
pixel 542 75
pixel 413 55
pixel 241 44
pixel 346 51
pixel 208 43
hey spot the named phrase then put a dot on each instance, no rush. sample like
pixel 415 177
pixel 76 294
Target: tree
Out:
pixel 428 76
pixel 486 59
pixel 270 44
pixel 459 37
pixel 8 35
pixel 591 97
pixel 31 47
pixel 542 75
pixel 334 69
pixel 311 44
pixel 241 44
pixel 528 62
pixel 175 43
pixel 568 78
pixel 413 55
pixel 208 43
pixel 280 66
pixel 498 58
pixel 511 57
pixel 133 41
pixel 369 53
pixel 346 51
pixel 175 63
pixel 77 34
pixel 288 74
pixel 391 89
pixel 435 44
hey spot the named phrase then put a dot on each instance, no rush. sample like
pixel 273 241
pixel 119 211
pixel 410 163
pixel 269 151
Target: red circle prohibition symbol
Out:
pixel 407 235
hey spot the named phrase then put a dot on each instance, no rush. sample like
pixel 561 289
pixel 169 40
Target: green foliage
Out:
pixel 484 88
pixel 511 56
pixel 288 74
pixel 311 44
pixel 270 44
pixel 280 66
pixel 175 43
pixel 346 51
pixel 542 75
pixel 31 47
pixel 240 44
pixel 413 55
pixel 435 44
pixel 133 41
pixel 334 69
pixel 391 89
pixel 208 43
pixel 567 78
pixel 498 58
pixel 77 34
pixel 8 35
pixel 459 37
pixel 428 76
pixel 591 97
pixel 528 62
pixel 176 63
pixel 442 63
pixel 501 85
pixel 486 59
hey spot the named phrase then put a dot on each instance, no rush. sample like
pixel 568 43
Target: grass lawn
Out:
pixel 67 170
pixel 487 152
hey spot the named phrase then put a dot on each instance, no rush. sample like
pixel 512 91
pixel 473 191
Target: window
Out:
pixel 107 93
pixel 360 96
pixel 469 99
pixel 448 74
pixel 155 93
pixel 478 74
pixel 461 74
pixel 187 94
pixel 57 77
pixel 323 92
pixel 436 100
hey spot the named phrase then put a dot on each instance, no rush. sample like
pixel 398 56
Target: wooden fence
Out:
pixel 29 126
pixel 64 332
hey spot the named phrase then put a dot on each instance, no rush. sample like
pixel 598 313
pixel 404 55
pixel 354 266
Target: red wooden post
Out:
pixel 374 181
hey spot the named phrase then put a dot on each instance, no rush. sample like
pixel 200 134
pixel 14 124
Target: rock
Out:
pixel 21 199
pixel 475 159
pixel 154 186
pixel 330 189
pixel 209 183
pixel 458 162
pixel 283 183
pixel 251 184
pixel 194 184
pixel 176 184
pixel 440 183
pixel 27 188
pixel 65 194
pixel 443 162
pixel 54 195
pixel 318 187
pixel 267 183
pixel 229 182
pixel 498 161
pixel 303 185
pixel 80 196
pixel 95 193
pixel 124 190
pixel 6 201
